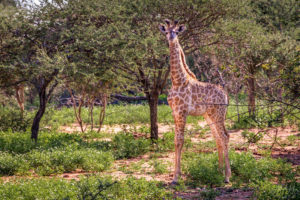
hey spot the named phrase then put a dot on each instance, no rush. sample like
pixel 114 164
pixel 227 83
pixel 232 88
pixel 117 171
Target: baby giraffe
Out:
pixel 188 96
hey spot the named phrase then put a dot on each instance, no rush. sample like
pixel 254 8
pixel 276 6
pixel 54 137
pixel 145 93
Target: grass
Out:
pixel 118 114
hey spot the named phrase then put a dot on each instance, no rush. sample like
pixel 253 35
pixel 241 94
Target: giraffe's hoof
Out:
pixel 226 180
pixel 174 183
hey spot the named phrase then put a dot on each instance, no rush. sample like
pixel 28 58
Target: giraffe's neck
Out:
pixel 179 75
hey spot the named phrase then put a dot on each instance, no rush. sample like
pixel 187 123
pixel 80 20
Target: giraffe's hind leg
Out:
pixel 221 131
pixel 219 146
pixel 222 140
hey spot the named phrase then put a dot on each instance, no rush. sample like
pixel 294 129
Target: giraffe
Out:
pixel 188 96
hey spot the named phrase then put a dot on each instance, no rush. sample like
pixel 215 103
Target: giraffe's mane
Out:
pixel 186 68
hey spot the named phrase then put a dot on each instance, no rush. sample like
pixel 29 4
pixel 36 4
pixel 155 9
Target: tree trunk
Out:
pixel 41 85
pixel 102 111
pixel 237 106
pixel 281 106
pixel 153 102
pixel 39 114
pixel 251 97
pixel 77 114
pixel 91 106
pixel 20 97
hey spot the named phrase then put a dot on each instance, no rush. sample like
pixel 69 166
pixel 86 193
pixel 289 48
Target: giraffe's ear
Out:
pixel 168 22
pixel 181 28
pixel 162 28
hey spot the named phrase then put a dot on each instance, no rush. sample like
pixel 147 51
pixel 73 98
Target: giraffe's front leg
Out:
pixel 179 140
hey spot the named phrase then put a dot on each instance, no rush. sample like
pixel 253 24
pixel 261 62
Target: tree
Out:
pixel 144 56
pixel 86 41
pixel 9 46
pixel 247 49
pixel 57 41
pixel 277 15
pixel 29 53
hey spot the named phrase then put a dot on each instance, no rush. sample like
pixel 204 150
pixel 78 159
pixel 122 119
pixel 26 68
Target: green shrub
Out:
pixel 245 122
pixel 20 143
pixel 165 143
pixel 209 194
pixel 203 170
pixel 252 137
pixel 246 169
pixel 159 167
pixel 137 189
pixel 93 187
pixel 12 165
pixel 67 160
pixel 15 142
pixel 39 189
pixel 293 190
pixel 11 119
pixel 56 160
pixel 267 191
pixel 126 146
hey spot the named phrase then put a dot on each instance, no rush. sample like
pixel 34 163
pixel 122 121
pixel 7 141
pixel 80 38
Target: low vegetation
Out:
pixel 94 187
pixel 57 152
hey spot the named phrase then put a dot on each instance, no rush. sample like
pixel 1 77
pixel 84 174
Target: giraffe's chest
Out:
pixel 179 97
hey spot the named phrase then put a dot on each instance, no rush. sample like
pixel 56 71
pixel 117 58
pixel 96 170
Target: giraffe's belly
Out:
pixel 197 108
pixel 185 102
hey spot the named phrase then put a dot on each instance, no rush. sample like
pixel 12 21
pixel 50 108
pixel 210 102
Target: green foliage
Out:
pixel 126 146
pixel 54 153
pixel 252 137
pixel 244 123
pixel 276 14
pixel 55 161
pixel 293 138
pixel 12 165
pixel 246 169
pixel 159 167
pixel 133 188
pixel 165 143
pixel 20 143
pixel 203 170
pixel 12 119
pixel 67 160
pixel 39 189
pixel 209 194
pixel 93 187
pixel 268 191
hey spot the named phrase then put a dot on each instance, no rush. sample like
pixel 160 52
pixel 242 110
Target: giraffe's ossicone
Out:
pixel 188 96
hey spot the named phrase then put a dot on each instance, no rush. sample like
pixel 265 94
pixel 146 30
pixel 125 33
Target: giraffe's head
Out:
pixel 171 30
